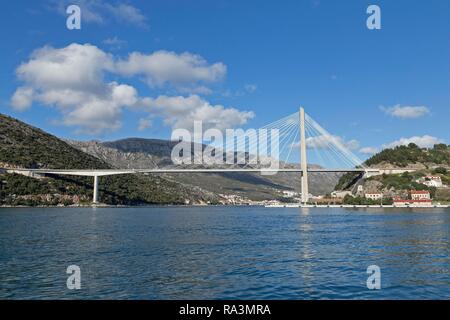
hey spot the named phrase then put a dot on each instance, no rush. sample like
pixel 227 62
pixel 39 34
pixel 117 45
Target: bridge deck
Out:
pixel 106 172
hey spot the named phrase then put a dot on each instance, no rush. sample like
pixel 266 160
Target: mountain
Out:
pixel 24 146
pixel 140 153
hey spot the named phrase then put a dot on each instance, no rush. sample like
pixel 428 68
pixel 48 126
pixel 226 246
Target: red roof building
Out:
pixel 420 195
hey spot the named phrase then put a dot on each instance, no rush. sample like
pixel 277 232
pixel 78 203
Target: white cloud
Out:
pixel 247 89
pixel 22 98
pixel 115 43
pixel 425 141
pixel 181 112
pixel 144 124
pixel 185 72
pixel 72 79
pixel 406 112
pixel 196 90
pixel 93 114
pixel 127 14
pixel 352 144
pixel 100 12
pixel 368 150
pixel 250 88
pixel 76 66
pixel 324 142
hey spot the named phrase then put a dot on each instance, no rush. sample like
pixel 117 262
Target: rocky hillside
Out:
pixel 151 153
pixel 24 146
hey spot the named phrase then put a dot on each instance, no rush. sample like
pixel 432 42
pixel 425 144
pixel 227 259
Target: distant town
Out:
pixel 413 198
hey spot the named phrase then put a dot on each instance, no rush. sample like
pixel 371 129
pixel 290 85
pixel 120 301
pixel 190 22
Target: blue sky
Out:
pixel 242 63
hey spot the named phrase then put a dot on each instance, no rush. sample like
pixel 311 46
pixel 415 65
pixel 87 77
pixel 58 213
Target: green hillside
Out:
pixel 22 145
pixel 428 161
pixel 404 156
pixel 30 147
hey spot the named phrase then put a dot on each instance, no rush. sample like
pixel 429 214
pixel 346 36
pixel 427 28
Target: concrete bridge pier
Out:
pixel 369 174
pixel 303 160
pixel 95 197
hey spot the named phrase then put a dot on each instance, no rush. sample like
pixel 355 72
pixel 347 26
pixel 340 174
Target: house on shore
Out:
pixel 341 194
pixel 420 195
pixel 418 198
pixel 431 181
pixel 374 196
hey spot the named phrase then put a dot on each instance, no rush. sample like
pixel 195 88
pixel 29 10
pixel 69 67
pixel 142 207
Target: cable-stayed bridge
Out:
pixel 299 139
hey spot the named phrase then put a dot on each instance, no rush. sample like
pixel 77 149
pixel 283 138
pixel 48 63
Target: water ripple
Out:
pixel 223 253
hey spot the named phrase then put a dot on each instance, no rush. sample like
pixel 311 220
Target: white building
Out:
pixel 420 195
pixel 290 194
pixel 340 194
pixel 373 196
pixel 431 181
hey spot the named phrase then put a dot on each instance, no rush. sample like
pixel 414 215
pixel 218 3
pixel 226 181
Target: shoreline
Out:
pixel 136 206
pixel 235 205
pixel 360 206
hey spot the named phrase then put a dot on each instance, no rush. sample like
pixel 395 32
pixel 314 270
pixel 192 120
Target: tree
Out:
pixel 440 170
pixel 440 147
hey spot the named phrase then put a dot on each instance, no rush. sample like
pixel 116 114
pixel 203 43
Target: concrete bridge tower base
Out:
pixel 95 197
pixel 303 159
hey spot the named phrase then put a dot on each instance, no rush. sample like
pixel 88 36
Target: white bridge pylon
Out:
pixel 297 131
